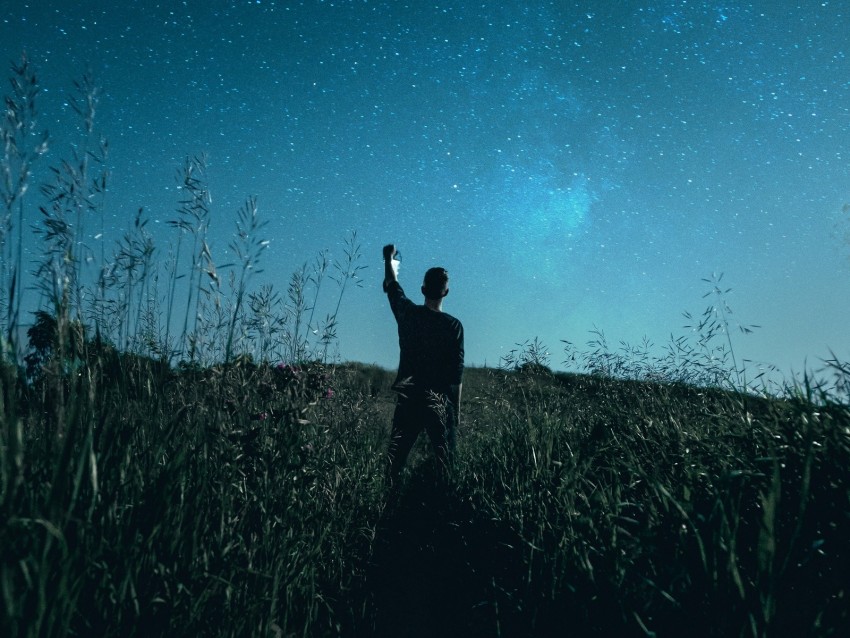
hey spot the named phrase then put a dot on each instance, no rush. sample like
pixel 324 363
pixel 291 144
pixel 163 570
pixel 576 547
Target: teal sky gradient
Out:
pixel 571 164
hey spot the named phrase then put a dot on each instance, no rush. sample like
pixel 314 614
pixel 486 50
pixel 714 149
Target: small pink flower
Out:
pixel 329 393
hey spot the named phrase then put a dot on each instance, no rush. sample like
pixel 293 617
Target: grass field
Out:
pixel 177 460
pixel 140 500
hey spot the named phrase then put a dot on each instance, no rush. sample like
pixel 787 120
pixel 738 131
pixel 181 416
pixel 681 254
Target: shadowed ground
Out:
pixel 431 572
pixel 438 568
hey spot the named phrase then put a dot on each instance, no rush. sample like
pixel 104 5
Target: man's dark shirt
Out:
pixel 431 345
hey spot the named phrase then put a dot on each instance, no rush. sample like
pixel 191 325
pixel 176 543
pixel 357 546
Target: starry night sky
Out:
pixel 572 164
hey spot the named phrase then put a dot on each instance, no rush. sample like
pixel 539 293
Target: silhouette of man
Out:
pixel 430 369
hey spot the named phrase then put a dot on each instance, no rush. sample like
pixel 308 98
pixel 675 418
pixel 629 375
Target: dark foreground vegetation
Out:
pixel 249 500
pixel 161 474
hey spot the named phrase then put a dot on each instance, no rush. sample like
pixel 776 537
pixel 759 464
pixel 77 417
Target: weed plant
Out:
pixel 210 470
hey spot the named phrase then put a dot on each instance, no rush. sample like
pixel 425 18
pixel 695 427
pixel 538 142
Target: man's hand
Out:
pixel 389 252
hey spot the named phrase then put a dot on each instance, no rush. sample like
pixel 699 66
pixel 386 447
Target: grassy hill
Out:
pixel 249 499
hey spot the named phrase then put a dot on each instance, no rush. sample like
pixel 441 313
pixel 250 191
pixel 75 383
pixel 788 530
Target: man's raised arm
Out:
pixel 389 272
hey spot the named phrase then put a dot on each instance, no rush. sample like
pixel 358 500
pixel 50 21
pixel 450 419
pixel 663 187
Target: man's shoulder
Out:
pixel 395 293
pixel 452 320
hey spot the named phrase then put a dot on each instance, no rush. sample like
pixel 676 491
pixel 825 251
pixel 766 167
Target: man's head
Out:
pixel 435 286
